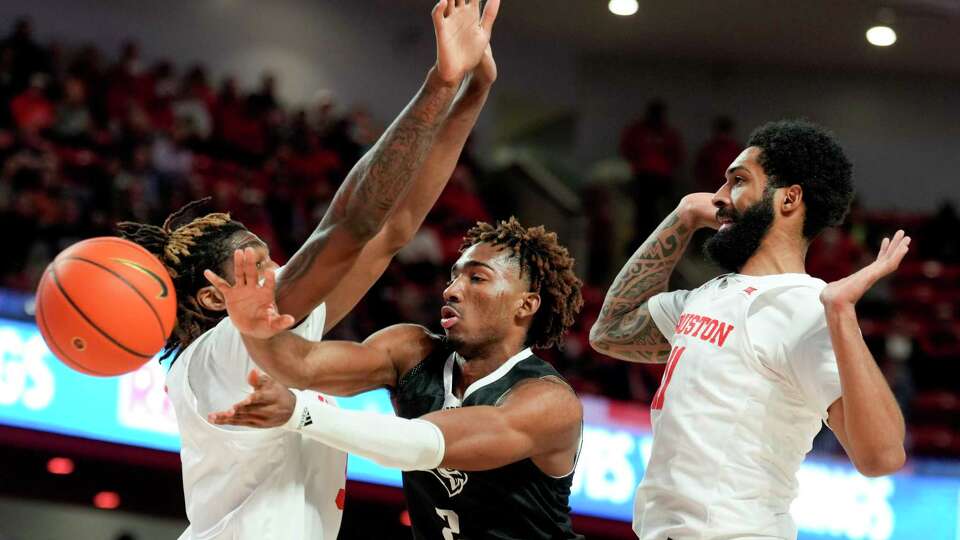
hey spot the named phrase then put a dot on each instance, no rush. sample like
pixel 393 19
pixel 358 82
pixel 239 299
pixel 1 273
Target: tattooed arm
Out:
pixel 383 176
pixel 410 212
pixel 625 329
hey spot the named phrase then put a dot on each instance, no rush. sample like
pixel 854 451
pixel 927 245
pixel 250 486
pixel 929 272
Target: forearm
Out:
pixel 388 170
pixel 282 357
pixel 392 442
pixel 872 419
pixel 438 166
pixel 624 328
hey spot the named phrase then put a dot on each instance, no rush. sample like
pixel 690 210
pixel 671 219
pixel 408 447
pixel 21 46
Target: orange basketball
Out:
pixel 105 306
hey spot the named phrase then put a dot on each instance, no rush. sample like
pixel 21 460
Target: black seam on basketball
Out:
pixel 163 330
pixel 56 281
pixel 64 357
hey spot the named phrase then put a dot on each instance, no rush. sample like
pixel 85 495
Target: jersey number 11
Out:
pixel 675 353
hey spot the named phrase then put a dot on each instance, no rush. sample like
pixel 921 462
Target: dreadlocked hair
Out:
pixel 186 249
pixel 549 267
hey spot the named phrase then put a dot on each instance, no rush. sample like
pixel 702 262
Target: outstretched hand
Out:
pixel 849 290
pixel 463 36
pixel 270 405
pixel 251 303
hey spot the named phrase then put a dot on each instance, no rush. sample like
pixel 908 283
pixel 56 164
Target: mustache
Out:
pixel 728 212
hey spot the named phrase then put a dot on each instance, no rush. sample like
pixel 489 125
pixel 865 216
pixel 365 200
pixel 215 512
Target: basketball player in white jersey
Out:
pixel 757 358
pixel 262 484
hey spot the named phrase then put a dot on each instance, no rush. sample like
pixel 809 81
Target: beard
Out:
pixel 732 247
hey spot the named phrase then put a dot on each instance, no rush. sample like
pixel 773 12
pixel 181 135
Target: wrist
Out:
pixel 839 309
pixel 434 80
pixel 299 417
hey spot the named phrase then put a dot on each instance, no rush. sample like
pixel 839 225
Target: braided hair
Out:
pixel 186 250
pixel 549 267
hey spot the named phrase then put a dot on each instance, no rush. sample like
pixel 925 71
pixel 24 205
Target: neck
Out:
pixel 779 253
pixel 477 365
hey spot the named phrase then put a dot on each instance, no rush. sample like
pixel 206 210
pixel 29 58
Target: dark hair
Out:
pixel 187 250
pixel 800 152
pixel 549 267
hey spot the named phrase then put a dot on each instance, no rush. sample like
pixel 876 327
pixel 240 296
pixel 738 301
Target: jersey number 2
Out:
pixel 675 353
pixel 453 523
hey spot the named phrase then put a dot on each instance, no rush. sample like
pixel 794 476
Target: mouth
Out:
pixel 725 222
pixel 448 317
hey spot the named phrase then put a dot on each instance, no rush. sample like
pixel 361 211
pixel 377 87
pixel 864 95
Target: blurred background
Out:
pixel 605 113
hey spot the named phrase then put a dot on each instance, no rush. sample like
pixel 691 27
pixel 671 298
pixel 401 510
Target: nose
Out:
pixel 722 197
pixel 452 293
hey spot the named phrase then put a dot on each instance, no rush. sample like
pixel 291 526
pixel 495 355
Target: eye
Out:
pixel 475 278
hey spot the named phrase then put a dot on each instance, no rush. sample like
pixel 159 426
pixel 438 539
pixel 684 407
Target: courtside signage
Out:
pixel 835 502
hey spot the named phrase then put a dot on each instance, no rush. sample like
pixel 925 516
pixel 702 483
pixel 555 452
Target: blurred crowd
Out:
pixel 87 140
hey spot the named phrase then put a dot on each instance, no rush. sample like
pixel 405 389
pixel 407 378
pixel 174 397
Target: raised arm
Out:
pixel 383 176
pixel 866 418
pixel 431 178
pixel 625 329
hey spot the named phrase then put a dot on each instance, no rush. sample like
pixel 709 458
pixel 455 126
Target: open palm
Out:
pixel 850 289
pixel 251 305
pixel 463 35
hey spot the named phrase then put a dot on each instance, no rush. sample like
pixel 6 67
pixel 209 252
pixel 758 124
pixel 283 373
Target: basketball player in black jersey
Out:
pixel 488 433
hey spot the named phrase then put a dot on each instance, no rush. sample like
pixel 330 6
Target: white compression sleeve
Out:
pixel 398 443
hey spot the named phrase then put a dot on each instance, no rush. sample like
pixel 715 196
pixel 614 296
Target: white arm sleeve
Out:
pixel 665 309
pixel 397 443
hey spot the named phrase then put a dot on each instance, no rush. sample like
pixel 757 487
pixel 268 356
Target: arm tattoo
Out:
pixel 381 177
pixel 625 328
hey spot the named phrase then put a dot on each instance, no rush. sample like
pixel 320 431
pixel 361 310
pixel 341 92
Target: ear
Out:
pixel 210 298
pixel 791 199
pixel 529 304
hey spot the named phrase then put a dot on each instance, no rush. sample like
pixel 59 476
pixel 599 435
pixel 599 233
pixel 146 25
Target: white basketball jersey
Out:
pixel 749 378
pixel 239 483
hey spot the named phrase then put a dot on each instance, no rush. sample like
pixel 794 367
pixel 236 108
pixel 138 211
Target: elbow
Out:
pixel 397 234
pixel 362 228
pixel 595 339
pixel 882 463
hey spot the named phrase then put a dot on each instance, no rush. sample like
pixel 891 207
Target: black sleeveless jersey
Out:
pixel 518 501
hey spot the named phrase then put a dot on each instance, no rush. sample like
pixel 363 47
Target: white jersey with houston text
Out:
pixel 745 390
pixel 240 483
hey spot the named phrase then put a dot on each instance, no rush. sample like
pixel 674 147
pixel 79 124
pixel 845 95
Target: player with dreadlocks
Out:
pixel 488 434
pixel 275 484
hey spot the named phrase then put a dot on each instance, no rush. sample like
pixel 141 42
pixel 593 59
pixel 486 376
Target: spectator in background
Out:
pixel 716 155
pixel 194 104
pixel 940 240
pixel 73 120
pixel 28 56
pixel 654 150
pixel 32 111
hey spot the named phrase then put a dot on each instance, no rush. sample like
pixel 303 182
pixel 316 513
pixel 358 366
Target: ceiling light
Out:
pixel 60 465
pixel 624 8
pixel 881 36
pixel 106 500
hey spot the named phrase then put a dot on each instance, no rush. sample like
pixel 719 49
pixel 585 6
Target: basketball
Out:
pixel 105 306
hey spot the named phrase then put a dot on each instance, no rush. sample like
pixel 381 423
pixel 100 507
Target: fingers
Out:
pixel 282 322
pixel 254 378
pixel 238 278
pixel 439 12
pixel 270 279
pixel 218 282
pixel 883 247
pixel 490 15
pixel 250 274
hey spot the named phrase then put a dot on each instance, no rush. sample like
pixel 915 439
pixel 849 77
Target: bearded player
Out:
pixel 274 484
pixel 757 358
